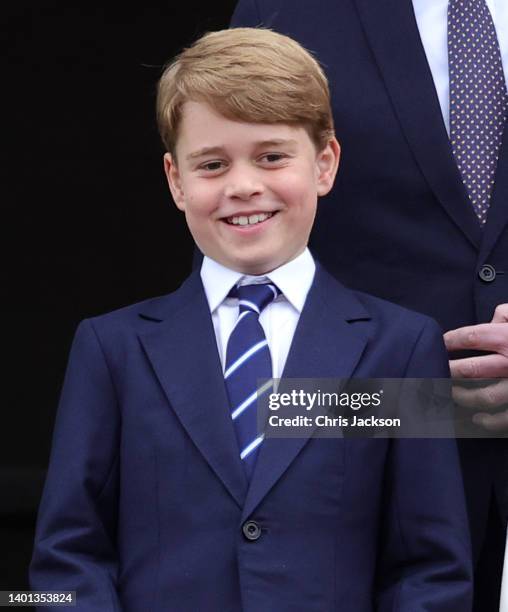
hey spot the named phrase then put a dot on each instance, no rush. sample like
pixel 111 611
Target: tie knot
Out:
pixel 256 297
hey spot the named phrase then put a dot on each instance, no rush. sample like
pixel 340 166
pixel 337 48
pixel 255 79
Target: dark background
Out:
pixel 88 224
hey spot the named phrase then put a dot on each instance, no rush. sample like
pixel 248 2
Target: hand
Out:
pixel 492 337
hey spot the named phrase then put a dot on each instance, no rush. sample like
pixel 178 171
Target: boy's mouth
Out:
pixel 244 220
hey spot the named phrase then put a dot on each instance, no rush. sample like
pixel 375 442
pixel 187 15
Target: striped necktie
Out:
pixel 247 361
pixel 478 98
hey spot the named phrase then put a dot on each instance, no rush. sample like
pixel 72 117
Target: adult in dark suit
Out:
pixel 399 222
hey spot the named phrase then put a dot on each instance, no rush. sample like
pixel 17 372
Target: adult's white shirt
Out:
pixel 431 17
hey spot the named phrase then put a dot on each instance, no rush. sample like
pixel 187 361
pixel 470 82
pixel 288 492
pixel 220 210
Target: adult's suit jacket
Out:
pixel 398 223
pixel 146 497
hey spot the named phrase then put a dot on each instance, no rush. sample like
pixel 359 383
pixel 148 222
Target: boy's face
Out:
pixel 249 191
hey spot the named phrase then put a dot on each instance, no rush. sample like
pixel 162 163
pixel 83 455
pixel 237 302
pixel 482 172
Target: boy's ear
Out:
pixel 327 162
pixel 174 180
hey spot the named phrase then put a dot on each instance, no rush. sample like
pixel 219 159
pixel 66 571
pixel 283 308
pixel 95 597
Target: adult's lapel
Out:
pixel 497 217
pixel 391 29
pixel 324 346
pixel 183 352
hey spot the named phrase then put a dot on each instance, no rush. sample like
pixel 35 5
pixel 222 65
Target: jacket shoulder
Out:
pixel 383 315
pixel 391 314
pixel 140 315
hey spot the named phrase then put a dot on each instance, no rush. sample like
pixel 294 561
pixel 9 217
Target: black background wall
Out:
pixel 88 223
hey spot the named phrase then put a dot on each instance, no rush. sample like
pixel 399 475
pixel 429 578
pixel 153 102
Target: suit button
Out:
pixel 487 273
pixel 251 530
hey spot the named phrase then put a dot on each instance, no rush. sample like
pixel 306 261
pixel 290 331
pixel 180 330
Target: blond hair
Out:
pixel 247 74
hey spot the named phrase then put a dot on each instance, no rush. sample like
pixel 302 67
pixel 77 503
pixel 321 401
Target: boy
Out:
pixel 161 493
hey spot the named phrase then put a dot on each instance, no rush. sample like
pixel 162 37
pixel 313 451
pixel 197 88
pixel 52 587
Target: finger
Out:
pixel 487 398
pixel 483 337
pixel 486 366
pixel 492 422
pixel 500 314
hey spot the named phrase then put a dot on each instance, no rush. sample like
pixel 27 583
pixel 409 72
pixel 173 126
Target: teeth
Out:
pixel 251 220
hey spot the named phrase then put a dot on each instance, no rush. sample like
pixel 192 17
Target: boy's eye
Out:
pixel 212 166
pixel 272 157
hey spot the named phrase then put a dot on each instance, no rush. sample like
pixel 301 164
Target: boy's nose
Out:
pixel 243 186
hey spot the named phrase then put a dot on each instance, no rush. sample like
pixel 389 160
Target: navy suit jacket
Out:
pixel 398 223
pixel 146 496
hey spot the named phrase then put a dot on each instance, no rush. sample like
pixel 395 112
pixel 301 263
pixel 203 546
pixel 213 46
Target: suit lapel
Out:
pixel 183 352
pixel 324 346
pixel 497 217
pixel 392 32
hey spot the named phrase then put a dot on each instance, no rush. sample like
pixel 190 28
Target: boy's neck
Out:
pixel 293 278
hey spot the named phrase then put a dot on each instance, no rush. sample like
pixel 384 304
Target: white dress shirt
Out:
pixel 279 319
pixel 431 17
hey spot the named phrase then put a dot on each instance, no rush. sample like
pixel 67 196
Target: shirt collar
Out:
pixel 294 279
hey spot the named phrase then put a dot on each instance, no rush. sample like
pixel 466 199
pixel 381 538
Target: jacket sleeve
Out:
pixel 74 543
pixel 425 560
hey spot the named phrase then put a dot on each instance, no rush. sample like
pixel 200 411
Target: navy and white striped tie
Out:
pixel 247 361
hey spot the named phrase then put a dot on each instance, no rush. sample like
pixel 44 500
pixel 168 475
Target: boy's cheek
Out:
pixel 200 199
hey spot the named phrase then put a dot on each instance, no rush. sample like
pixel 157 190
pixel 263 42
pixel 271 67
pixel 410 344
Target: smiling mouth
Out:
pixel 244 220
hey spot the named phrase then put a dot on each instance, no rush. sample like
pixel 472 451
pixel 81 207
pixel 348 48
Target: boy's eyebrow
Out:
pixel 276 142
pixel 204 151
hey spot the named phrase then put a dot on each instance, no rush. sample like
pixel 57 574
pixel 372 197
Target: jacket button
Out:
pixel 487 273
pixel 251 530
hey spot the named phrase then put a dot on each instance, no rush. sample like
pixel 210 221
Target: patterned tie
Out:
pixel 248 360
pixel 478 98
